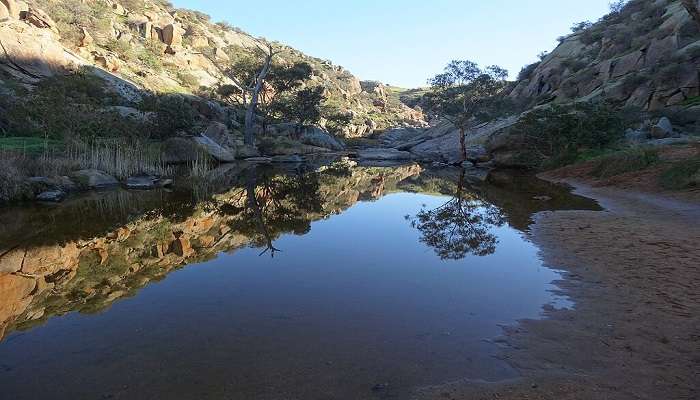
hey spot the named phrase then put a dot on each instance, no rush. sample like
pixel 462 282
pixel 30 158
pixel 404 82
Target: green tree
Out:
pixel 465 93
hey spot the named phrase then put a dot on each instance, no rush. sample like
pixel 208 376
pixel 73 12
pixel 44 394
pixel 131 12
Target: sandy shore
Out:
pixel 634 272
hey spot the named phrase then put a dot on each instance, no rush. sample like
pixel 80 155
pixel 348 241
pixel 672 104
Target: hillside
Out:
pixel 143 47
pixel 641 60
pixel 644 55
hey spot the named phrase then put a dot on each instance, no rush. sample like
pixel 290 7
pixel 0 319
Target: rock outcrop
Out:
pixel 646 56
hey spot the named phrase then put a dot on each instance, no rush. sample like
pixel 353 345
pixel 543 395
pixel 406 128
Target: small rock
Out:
pixel 141 183
pixel 52 196
pixel 164 183
pixel 636 136
pixel 542 198
pixel 662 129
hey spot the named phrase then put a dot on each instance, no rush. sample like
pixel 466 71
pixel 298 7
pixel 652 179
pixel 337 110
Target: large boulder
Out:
pixel 94 179
pixel 40 19
pixel 218 142
pixel 314 136
pixel 30 53
pixel 171 34
pixel 8 9
pixel 662 129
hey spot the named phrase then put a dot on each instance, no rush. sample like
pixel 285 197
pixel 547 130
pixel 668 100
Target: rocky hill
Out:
pixel 142 47
pixel 644 56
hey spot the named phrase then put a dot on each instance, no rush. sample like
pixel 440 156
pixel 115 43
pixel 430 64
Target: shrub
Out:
pixel 625 161
pixel 71 15
pixel 682 175
pixel 121 48
pixel 187 79
pixel 174 113
pixel 557 135
pixel 151 55
pixel 527 71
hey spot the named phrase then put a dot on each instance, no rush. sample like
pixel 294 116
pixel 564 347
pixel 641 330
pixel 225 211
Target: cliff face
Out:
pixel 147 45
pixel 646 55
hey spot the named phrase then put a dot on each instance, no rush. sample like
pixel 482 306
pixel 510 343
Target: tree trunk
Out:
pixel 693 8
pixel 249 135
pixel 463 143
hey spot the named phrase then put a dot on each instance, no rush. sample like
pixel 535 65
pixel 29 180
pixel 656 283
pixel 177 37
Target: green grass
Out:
pixel 624 162
pixel 29 145
pixel 682 175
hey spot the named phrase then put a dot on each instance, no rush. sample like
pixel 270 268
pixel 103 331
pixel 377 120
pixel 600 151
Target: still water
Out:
pixel 319 283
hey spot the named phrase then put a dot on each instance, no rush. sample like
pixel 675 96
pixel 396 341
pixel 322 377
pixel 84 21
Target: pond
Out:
pixel 330 282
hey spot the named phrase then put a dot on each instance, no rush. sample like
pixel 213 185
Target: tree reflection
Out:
pixel 273 204
pixel 460 227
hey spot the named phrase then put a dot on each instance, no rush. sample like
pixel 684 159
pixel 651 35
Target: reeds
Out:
pixel 120 158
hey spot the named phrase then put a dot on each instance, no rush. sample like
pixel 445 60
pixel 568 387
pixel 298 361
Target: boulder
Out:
pixel 636 136
pixel 40 19
pixel 94 179
pixel 318 137
pixel 215 150
pixel 86 39
pixel 662 129
pixel 11 261
pixel 8 9
pixel 52 196
pixel 141 182
pixel 171 35
pixel 384 154
pixel 30 53
pixel 478 154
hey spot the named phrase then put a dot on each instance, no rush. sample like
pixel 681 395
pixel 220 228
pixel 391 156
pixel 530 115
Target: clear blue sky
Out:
pixel 404 42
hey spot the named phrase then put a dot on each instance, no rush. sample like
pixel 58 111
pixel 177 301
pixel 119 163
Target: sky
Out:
pixel 405 42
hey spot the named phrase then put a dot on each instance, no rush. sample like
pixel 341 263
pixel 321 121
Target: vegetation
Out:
pixel 465 93
pixel 631 160
pixel 682 175
pixel 559 134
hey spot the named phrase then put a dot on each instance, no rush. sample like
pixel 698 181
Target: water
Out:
pixel 343 284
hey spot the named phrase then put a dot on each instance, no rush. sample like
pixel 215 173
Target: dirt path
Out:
pixel 634 272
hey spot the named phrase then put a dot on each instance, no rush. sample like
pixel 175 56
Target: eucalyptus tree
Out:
pixel 465 93
pixel 249 76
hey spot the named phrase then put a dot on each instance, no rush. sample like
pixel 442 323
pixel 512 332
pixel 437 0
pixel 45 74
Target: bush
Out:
pixel 174 113
pixel 559 134
pixel 188 80
pixel 682 175
pixel 72 15
pixel 625 161
pixel 527 71
pixel 67 108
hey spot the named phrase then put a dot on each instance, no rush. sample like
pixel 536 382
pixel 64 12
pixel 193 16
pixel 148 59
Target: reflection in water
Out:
pixel 463 225
pixel 85 255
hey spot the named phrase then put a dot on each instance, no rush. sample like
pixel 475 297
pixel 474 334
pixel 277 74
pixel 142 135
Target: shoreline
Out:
pixel 633 273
